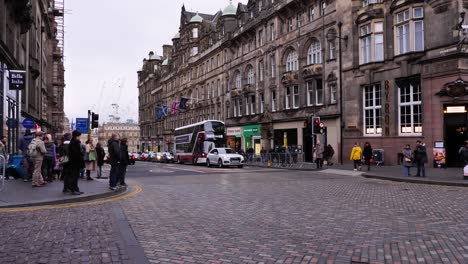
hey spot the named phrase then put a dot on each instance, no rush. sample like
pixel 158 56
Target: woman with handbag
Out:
pixel 407 160
pixel 90 158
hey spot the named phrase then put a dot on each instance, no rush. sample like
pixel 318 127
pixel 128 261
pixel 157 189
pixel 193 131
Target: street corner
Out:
pixel 96 198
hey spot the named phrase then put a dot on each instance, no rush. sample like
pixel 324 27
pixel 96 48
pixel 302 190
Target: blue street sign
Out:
pixel 28 123
pixel 82 125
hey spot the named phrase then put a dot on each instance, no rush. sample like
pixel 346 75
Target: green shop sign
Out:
pixel 252 130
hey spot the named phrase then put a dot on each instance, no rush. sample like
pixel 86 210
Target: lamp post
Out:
pixel 340 25
pixel 340 77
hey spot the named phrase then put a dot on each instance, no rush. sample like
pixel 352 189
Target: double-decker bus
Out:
pixel 193 142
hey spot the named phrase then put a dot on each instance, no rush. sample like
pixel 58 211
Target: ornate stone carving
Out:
pixel 456 89
pixel 440 6
pixel 312 70
pixel 289 78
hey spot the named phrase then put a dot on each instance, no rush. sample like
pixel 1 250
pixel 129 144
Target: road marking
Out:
pixel 136 191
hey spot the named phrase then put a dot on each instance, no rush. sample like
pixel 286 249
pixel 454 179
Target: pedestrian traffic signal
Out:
pixel 316 128
pixel 94 120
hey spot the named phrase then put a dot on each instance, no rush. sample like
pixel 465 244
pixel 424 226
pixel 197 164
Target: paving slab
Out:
pixel 17 193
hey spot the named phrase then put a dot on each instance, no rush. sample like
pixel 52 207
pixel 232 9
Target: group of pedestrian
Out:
pixel 45 160
pixel 416 157
pixel 358 155
pixel 323 154
pixel 411 158
pixel 119 160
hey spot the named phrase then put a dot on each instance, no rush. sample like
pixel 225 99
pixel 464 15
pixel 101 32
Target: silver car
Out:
pixel 224 157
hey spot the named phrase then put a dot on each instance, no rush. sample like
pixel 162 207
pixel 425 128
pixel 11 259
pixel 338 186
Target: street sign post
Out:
pixel 82 125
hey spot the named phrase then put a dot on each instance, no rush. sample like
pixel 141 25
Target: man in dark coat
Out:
pixel 76 163
pixel 420 157
pixel 114 155
pixel 124 161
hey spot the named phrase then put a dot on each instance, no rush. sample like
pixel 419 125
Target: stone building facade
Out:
pixel 266 67
pixel 31 40
pixel 406 79
pixel 263 67
pixel 125 130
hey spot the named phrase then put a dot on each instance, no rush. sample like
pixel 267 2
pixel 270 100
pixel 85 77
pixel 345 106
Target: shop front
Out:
pixel 252 138
pixel 234 138
pixel 288 135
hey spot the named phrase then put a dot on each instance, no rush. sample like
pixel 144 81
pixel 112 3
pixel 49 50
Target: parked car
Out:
pixel 224 157
pixel 132 158
pixel 151 156
pixel 144 156
pixel 158 157
pixel 167 157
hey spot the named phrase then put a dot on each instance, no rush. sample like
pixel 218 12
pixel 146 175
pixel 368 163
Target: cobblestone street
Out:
pixel 86 234
pixel 191 214
pixel 285 217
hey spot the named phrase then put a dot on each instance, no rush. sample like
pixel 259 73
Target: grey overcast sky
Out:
pixel 105 43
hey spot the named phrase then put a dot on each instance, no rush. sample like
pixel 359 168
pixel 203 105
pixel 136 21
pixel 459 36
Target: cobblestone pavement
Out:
pixel 88 234
pixel 297 217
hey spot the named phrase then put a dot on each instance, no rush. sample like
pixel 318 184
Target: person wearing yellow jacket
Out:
pixel 356 154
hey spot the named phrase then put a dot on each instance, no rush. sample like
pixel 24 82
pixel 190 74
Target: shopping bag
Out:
pixel 465 171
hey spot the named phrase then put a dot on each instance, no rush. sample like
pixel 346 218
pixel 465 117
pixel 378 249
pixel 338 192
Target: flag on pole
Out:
pixel 159 113
pixel 164 110
pixel 183 103
pixel 174 107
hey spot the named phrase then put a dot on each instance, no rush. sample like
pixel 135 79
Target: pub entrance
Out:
pixel 456 122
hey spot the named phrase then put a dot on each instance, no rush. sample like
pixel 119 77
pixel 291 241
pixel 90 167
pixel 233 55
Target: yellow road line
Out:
pixel 137 190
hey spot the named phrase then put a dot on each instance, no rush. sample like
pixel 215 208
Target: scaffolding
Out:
pixel 59 14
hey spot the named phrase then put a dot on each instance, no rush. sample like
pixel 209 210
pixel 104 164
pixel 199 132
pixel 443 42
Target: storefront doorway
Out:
pixel 456 133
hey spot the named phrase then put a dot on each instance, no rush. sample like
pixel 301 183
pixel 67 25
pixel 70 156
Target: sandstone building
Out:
pixel 31 40
pixel 266 66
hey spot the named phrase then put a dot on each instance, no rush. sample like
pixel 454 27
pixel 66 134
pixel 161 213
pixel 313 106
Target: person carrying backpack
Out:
pixel 37 150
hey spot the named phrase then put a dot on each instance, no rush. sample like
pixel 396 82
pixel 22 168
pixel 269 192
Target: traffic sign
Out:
pixel 82 125
pixel 28 123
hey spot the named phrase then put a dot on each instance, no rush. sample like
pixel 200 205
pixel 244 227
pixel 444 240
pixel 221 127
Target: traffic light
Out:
pixel 316 128
pixel 94 120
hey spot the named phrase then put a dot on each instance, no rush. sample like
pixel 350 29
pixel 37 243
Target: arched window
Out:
pixel 291 61
pixel 250 75
pixel 237 80
pixel 314 55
